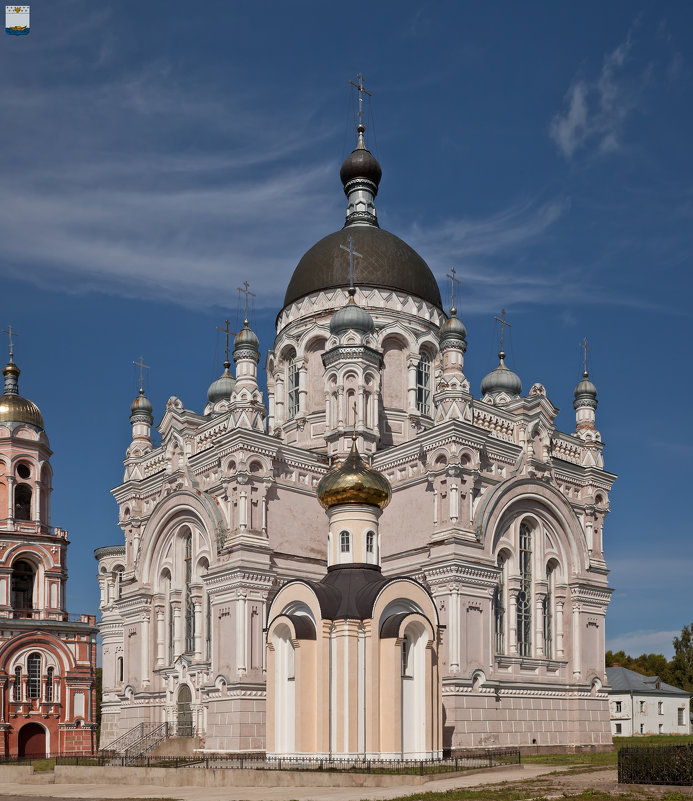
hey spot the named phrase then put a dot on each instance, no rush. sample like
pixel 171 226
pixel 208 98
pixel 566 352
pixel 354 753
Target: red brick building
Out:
pixel 47 657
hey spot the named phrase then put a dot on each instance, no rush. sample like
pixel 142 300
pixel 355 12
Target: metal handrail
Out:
pixel 148 741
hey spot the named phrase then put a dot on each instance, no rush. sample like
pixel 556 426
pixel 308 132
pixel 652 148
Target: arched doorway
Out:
pixel 32 741
pixel 184 722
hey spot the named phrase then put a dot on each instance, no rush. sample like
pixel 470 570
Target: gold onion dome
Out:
pixel 13 407
pixel 353 481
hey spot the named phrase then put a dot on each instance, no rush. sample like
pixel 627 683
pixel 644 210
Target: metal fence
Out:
pixel 661 764
pixel 474 759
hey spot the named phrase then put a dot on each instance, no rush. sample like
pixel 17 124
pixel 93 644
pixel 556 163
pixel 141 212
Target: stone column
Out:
pixel 577 668
pixel 512 623
pixel 302 388
pixel 177 630
pixel 454 503
pixel 454 628
pixel 411 383
pixel 241 632
pixel 144 650
pixel 539 625
pixel 10 501
pixel 340 406
pixel 559 629
pixel 197 607
pixel 36 502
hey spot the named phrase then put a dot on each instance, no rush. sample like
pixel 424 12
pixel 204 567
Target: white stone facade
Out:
pixel 495 512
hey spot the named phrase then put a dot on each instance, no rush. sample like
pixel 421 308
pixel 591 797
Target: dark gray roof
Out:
pixel 623 680
pixel 386 262
pixel 349 591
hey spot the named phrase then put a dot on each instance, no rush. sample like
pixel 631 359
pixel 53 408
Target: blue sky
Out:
pixel 155 155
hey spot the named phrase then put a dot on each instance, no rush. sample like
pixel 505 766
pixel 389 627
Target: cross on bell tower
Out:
pixel 245 291
pixel 586 348
pixel 362 91
pixel 503 323
pixel 226 330
pixel 142 367
pixel 10 333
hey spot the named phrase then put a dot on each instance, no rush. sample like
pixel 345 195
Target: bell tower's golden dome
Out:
pixel 13 407
pixel 353 481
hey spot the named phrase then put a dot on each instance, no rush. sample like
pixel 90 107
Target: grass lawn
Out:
pixel 609 758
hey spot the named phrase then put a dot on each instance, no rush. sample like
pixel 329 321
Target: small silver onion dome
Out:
pixel 141 408
pixel 585 389
pixel 246 338
pixel 361 164
pixel 502 379
pixel 222 388
pixel 351 318
pixel 452 328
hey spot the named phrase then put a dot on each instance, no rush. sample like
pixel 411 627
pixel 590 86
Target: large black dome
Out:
pixel 386 262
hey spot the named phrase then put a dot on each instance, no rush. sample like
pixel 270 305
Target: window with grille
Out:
pixel 524 596
pixel 345 542
pixel 499 607
pixel 49 685
pixel 17 689
pixel 189 606
pixel 293 390
pixel 618 728
pixel 423 384
pixel 548 613
pixel 33 666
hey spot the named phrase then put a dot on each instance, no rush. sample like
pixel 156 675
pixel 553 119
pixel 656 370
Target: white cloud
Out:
pixel 644 641
pixel 597 110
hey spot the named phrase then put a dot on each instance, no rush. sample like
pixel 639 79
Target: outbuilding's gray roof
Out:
pixel 622 680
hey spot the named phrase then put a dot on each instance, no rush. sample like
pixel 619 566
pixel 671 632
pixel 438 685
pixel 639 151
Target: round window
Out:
pixel 23 470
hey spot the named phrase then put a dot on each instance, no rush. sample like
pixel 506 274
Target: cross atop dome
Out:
pixel 361 128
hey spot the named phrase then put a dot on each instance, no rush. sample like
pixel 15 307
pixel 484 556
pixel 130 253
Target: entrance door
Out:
pixel 185 720
pixel 32 741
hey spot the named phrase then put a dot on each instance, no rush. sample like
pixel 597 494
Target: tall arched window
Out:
pixel 189 606
pixel 49 685
pixel 208 629
pixel 17 688
pixel 22 502
pixel 524 596
pixel 499 605
pixel 33 667
pixel 548 611
pixel 292 388
pixel 22 586
pixel 423 383
pixel 118 582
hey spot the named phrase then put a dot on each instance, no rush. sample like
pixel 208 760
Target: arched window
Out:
pixel 118 582
pixel 120 670
pixel 370 542
pixel 423 383
pixel 22 588
pixel 548 611
pixel 22 502
pixel 499 605
pixel 189 606
pixel 33 665
pixel 524 596
pixel 292 388
pixel 345 542
pixel 49 685
pixel 17 688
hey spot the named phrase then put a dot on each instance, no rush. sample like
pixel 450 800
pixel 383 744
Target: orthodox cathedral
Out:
pixel 47 657
pixel 452 593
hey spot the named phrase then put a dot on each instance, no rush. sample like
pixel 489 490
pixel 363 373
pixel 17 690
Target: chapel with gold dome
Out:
pixel 452 590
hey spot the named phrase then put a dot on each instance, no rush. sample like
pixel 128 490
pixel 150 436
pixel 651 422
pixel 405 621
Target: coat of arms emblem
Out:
pixel 17 20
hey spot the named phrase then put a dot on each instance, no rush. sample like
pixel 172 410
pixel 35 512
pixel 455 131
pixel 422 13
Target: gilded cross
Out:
pixel 10 332
pixel 362 92
pixel 229 333
pixel 503 323
pixel 453 281
pixel 586 347
pixel 142 367
pixel 247 293
pixel 350 250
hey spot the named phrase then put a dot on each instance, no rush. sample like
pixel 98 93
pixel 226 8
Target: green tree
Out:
pixel 681 666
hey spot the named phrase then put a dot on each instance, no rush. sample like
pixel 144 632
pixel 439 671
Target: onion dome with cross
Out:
pixel 13 407
pixel 388 261
pixel 502 380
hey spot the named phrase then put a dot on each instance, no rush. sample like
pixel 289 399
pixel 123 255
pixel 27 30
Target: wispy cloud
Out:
pixel 644 641
pixel 597 110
